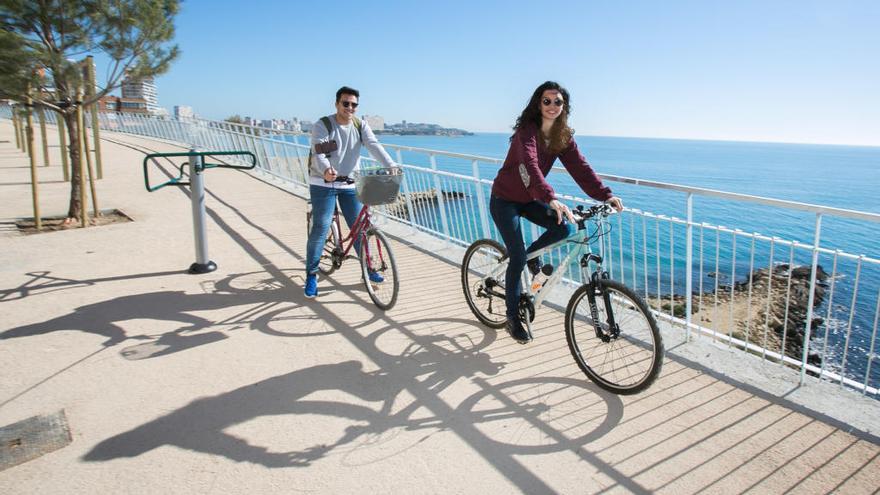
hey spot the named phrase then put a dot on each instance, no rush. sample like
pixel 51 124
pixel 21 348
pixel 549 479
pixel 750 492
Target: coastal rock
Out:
pixel 772 314
pixel 419 199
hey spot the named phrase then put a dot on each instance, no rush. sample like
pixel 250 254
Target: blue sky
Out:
pixel 789 71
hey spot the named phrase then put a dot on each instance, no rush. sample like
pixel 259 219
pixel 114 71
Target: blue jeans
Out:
pixel 323 202
pixel 506 215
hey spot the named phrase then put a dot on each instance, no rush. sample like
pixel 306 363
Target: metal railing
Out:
pixel 765 294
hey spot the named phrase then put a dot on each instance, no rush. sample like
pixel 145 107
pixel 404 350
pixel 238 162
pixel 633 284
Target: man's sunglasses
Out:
pixel 351 104
pixel 546 101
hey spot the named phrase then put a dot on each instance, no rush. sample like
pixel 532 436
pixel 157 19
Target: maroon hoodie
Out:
pixel 522 177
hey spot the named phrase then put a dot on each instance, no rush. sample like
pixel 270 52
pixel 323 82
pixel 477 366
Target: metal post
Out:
pixel 689 271
pixel 407 195
pixel 811 297
pixel 441 202
pixel 481 200
pixel 197 195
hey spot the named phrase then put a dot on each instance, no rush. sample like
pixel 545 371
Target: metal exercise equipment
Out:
pixel 197 166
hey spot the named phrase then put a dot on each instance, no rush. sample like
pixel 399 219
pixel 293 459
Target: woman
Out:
pixel 541 135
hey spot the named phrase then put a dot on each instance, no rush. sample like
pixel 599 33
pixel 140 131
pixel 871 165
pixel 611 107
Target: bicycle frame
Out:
pixel 358 230
pixel 579 238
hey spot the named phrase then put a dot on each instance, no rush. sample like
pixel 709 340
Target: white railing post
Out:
pixel 441 203
pixel 688 270
pixel 410 212
pixel 303 162
pixel 481 200
pixel 811 297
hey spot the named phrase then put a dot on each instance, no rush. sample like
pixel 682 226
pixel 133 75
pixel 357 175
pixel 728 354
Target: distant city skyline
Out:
pixel 784 71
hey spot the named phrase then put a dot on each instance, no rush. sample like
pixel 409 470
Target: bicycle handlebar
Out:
pixel 580 214
pixel 603 210
pixel 340 178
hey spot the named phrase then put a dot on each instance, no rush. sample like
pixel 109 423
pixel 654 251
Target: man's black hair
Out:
pixel 345 90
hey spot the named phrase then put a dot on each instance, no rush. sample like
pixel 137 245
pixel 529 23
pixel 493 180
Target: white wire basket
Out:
pixel 378 186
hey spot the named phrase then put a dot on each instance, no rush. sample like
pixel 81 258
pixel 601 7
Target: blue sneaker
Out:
pixel 311 289
pixel 376 278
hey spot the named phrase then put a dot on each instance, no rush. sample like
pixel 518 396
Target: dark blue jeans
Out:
pixel 506 215
pixel 323 201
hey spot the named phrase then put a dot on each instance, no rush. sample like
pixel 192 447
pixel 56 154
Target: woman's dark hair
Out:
pixel 560 133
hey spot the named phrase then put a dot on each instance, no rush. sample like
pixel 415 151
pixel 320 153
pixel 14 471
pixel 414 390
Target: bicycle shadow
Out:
pixel 289 394
pixel 369 415
pixel 114 319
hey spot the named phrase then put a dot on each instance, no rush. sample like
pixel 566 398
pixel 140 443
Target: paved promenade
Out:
pixel 233 382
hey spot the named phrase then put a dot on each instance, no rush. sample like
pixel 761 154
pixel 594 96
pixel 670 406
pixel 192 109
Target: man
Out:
pixel 331 165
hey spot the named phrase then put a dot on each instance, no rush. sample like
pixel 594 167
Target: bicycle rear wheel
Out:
pixel 624 359
pixel 379 269
pixel 332 248
pixel 485 294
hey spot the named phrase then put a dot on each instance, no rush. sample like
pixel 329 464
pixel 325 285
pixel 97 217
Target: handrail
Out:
pixel 812 208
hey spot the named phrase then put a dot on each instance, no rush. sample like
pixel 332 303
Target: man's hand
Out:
pixel 561 209
pixel 329 175
pixel 615 203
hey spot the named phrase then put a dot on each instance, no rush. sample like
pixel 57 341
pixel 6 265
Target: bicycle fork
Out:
pixel 609 330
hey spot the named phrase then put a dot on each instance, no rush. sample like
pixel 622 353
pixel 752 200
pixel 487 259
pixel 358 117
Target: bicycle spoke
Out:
pixel 626 363
pixel 379 269
pixel 482 278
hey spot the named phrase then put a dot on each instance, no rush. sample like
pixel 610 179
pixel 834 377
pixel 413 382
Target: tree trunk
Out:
pixel 75 209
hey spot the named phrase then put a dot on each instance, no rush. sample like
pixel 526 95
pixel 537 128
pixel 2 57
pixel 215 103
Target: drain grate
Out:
pixel 28 439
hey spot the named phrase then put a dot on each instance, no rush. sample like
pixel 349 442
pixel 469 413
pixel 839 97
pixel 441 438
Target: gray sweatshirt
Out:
pixel 347 158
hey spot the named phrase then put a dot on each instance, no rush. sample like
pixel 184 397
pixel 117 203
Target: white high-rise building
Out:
pixel 144 89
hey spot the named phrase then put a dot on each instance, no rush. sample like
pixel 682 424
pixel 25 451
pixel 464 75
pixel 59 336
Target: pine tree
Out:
pixel 43 42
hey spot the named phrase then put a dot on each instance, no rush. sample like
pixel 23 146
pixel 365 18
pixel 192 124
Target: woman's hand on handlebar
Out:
pixel 329 175
pixel 560 210
pixel 615 203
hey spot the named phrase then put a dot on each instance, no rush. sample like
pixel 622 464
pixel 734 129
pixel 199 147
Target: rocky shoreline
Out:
pixel 773 319
pixel 399 208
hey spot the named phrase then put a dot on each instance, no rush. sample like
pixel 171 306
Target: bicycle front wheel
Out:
pixel 482 280
pixel 328 263
pixel 624 358
pixel 379 269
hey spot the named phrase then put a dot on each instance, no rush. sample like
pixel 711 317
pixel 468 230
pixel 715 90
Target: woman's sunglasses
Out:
pixel 351 104
pixel 547 101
